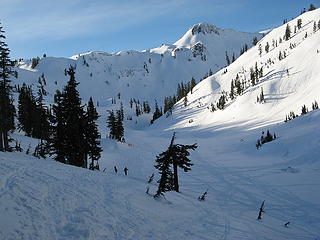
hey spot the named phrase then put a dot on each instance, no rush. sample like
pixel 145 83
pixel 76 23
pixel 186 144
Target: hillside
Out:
pixel 42 199
pixel 287 84
pixel 145 76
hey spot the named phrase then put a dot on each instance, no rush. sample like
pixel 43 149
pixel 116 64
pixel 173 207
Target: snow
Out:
pixel 287 84
pixel 43 199
pixel 147 75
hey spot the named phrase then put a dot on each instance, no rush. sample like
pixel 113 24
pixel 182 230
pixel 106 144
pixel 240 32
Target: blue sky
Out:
pixel 67 27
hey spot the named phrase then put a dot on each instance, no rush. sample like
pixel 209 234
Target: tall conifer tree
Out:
pixel 92 136
pixel 287 35
pixel 111 124
pixel 119 127
pixel 7 109
pixel 177 155
pixel 69 135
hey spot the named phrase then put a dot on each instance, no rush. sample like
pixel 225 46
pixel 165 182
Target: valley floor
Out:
pixel 42 199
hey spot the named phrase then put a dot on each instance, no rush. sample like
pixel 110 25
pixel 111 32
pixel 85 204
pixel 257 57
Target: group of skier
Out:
pixel 116 170
pixel 125 170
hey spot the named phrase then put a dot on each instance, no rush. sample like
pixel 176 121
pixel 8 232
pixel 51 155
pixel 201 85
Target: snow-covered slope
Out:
pixel 145 76
pixel 287 84
pixel 41 199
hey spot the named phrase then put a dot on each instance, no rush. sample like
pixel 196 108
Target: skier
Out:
pixel 115 169
pixel 125 171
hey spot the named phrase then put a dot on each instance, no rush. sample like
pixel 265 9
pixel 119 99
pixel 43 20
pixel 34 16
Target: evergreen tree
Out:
pixel 261 95
pixel 41 129
pixel 241 51
pixel 119 127
pixel 256 72
pixel 138 111
pixel 74 122
pixel 93 149
pixel 232 95
pixel 267 138
pixel 165 170
pixel 312 7
pixel 7 109
pixel 157 113
pixel 180 159
pixel 260 50
pixel 239 87
pixel 267 47
pixel 255 41
pixel 233 57
pixel 221 102
pixel 299 23
pixel 193 83
pixel 69 140
pixel 146 107
pixel 227 59
pixel 314 26
pixel 181 91
pixel 168 104
pixel 177 155
pixel 121 112
pixel 252 77
pixel 41 84
pixel 111 123
pixel 304 110
pixel 26 109
pixel 213 108
pixel 315 105
pixel 33 115
pixel 185 101
pixel 287 35
pixel 261 72
pixel 57 140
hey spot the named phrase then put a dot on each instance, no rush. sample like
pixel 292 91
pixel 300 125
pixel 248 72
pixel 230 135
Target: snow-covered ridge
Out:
pixel 147 75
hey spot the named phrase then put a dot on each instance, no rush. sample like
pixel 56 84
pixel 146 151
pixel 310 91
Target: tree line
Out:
pixel 67 130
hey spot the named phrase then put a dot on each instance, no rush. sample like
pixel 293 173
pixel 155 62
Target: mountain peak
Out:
pixel 204 28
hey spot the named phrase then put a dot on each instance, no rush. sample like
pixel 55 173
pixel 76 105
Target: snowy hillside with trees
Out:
pixel 278 75
pixel 146 76
pixel 235 156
